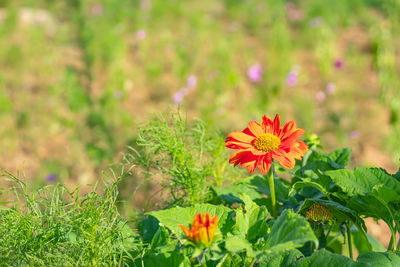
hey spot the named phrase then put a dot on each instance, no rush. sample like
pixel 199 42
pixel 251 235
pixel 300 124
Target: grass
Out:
pixel 55 227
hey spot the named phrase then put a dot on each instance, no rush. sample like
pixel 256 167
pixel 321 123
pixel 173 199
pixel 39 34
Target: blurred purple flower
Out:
pixel 178 97
pixel 117 94
pixel 330 88
pixel 316 22
pixel 294 13
pixel 338 63
pixel 141 35
pixel 320 96
pixel 97 9
pixel 145 4
pixel 292 77
pixel 354 134
pixel 51 178
pixel 191 82
pixel 255 73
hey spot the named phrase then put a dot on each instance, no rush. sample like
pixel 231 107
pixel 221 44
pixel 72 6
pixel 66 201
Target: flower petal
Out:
pixel 288 141
pixel 283 159
pixel 255 128
pixel 265 163
pixel 277 124
pixel 288 129
pixel 267 124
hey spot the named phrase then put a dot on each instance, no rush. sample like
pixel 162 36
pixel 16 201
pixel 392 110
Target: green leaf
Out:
pixel 236 244
pixel 299 185
pixel 327 259
pixel 361 241
pixel 251 223
pixel 290 231
pixel 376 245
pixel 286 259
pixel 381 259
pixel 231 193
pixel 147 228
pixel 164 260
pixel 362 181
pixel 171 218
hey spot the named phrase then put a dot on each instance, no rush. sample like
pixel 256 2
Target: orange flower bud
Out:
pixel 202 229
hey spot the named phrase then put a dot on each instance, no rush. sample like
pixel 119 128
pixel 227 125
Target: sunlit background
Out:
pixel 77 77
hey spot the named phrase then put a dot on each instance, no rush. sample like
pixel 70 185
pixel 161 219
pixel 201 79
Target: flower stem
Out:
pixel 272 189
pixel 349 241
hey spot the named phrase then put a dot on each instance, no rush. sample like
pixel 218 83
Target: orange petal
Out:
pixel 283 159
pixel 277 124
pixel 265 163
pixel 241 137
pixel 255 128
pixel 267 124
pixel 241 156
pixel 288 129
pixel 288 141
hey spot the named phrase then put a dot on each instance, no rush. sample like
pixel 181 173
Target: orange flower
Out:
pixel 260 143
pixel 202 229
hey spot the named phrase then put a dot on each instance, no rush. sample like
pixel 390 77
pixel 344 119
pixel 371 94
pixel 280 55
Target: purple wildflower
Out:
pixel 354 134
pixel 320 96
pixel 330 88
pixel 145 4
pixel 178 97
pixel 338 63
pixel 141 35
pixel 292 77
pixel 97 9
pixel 255 73
pixel 51 178
pixel 294 13
pixel 191 82
pixel 117 94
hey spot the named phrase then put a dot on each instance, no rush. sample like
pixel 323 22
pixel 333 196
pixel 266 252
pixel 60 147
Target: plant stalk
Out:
pixel 272 189
pixel 349 241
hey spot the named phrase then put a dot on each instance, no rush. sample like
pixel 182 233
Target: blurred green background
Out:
pixel 76 77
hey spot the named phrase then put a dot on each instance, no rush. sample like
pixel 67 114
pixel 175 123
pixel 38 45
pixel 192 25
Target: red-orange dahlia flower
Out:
pixel 202 229
pixel 260 143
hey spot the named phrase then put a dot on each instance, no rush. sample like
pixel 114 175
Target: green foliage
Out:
pixel 57 227
pixel 188 158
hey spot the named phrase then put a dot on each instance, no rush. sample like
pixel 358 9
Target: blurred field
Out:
pixel 76 77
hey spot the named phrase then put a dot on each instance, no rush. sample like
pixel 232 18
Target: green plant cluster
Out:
pixel 320 210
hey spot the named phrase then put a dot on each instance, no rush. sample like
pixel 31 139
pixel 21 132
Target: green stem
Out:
pixel 349 241
pixel 272 189
pixel 394 239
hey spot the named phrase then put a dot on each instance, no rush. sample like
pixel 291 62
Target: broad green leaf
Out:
pixel 286 259
pixel 289 231
pixel 381 259
pixel 376 245
pixel 360 240
pixel 362 181
pixel 327 259
pixel 299 185
pixel 251 223
pixel 231 193
pixel 164 260
pixel 236 244
pixel 172 218
pixel 147 228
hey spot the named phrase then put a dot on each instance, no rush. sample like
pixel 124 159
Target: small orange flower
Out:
pixel 202 229
pixel 260 143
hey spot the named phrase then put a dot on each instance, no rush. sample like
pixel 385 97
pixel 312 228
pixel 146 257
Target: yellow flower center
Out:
pixel 267 142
